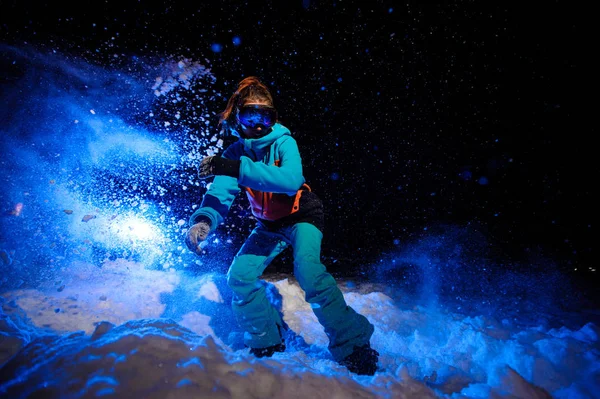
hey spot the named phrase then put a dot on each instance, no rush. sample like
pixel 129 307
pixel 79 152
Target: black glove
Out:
pixel 211 166
pixel 196 235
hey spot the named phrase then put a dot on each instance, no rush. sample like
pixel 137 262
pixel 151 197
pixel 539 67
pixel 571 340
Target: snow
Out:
pixel 99 295
pixel 124 329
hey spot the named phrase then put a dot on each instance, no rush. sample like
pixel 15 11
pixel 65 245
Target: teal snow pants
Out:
pixel 260 319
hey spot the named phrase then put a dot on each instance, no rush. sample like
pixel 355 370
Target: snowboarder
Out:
pixel 265 162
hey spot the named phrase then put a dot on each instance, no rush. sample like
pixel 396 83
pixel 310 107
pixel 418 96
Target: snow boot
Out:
pixel 363 360
pixel 268 351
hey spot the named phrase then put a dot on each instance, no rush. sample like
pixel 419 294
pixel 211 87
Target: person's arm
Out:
pixel 219 197
pixel 286 178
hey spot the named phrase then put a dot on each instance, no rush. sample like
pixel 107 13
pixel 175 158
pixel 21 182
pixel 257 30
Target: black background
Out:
pixel 408 116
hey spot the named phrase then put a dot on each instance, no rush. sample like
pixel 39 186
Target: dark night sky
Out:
pixel 407 116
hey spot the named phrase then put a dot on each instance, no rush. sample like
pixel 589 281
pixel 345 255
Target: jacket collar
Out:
pixel 261 143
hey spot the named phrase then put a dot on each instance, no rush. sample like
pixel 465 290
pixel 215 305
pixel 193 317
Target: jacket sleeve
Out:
pixel 219 197
pixel 286 178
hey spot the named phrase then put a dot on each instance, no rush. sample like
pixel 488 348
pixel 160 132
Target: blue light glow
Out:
pixel 100 169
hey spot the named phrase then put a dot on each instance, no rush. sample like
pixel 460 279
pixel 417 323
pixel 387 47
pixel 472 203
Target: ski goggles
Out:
pixel 255 115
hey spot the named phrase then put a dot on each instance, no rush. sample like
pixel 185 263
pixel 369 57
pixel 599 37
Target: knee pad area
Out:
pixel 306 257
pixel 235 280
pixel 315 282
pixel 245 270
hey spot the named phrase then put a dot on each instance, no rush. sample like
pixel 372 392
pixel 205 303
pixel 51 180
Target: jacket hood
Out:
pixel 261 143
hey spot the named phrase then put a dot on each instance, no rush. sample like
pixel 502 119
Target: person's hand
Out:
pixel 214 165
pixel 196 235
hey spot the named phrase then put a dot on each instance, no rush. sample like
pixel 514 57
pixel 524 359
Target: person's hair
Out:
pixel 250 89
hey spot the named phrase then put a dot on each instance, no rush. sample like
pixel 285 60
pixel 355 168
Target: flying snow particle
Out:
pixel 6 258
pixel 87 218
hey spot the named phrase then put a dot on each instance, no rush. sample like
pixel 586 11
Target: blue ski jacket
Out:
pixel 270 174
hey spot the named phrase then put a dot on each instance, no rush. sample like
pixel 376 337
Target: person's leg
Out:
pixel 345 328
pixel 255 314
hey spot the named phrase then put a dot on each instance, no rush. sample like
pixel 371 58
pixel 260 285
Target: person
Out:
pixel 265 162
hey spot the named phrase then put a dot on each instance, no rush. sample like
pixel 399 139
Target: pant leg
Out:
pixel 344 327
pixel 255 314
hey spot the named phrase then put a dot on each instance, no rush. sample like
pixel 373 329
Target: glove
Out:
pixel 211 166
pixel 196 235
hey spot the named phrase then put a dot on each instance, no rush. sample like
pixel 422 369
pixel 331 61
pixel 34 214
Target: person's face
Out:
pixel 259 131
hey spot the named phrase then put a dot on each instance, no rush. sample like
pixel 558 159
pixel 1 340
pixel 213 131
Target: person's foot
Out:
pixel 363 360
pixel 268 351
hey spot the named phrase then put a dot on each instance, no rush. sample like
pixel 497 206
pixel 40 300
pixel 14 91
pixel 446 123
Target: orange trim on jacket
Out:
pixel 273 206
